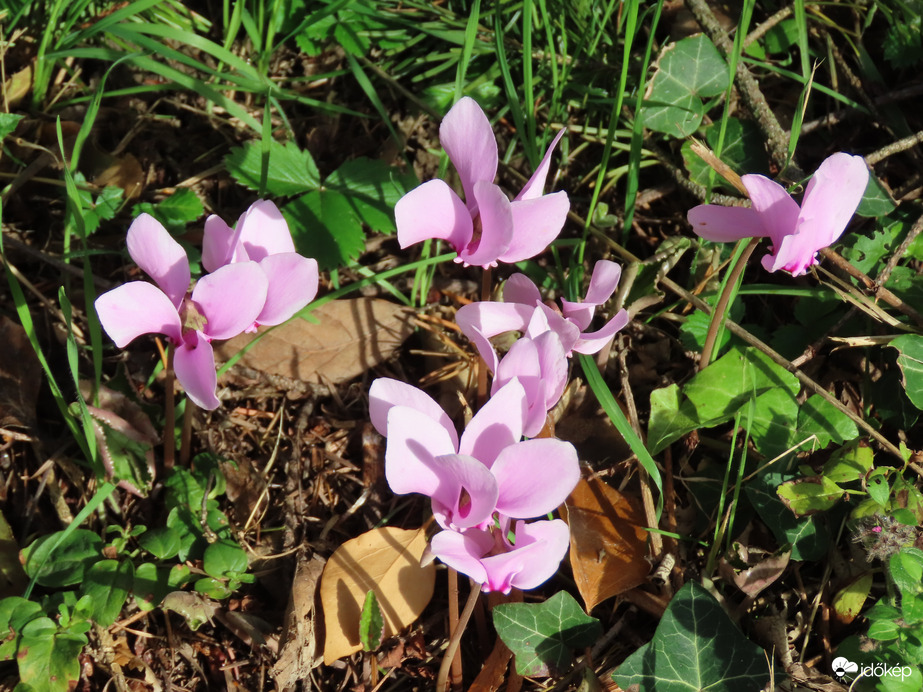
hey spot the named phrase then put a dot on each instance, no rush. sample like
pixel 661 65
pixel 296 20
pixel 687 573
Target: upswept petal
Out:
pixel 491 318
pixel 725 224
pixel 497 425
pixel 536 223
pixel 469 140
pixel 457 473
pixel 263 231
pixel 540 547
pixel 603 282
pixel 536 184
pixel 160 256
pixel 496 221
pixel 519 288
pixel 137 308
pixel 594 342
pixel 433 210
pixel 231 298
pixel 386 393
pixel 545 319
pixel 414 441
pixel 831 198
pixel 292 285
pixel 776 208
pixel 522 362
pixel 534 477
pixel 194 365
pixel 219 244
pixel 552 358
pixel 463 551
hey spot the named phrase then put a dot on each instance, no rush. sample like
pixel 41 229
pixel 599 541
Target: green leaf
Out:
pixel 372 188
pixel 819 417
pixel 162 543
pixel 910 361
pixel 878 487
pixel 849 463
pixel 906 567
pixel 876 200
pixel 107 583
pixel 810 495
pixel 808 536
pixel 224 558
pixel 371 623
pixel 671 418
pixel 290 171
pixel 324 226
pixel 69 562
pixel 696 647
pixel 544 635
pixel 48 657
pixel 774 411
pixel 215 588
pixel 689 70
pixel 152 584
pixel 8 123
pixel 743 150
pixel 176 211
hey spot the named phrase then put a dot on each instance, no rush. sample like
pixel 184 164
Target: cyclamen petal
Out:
pixel 230 298
pixel 535 477
pixel 496 221
pixel 414 441
pixel 263 231
pixel 194 364
pixel 469 140
pixel 536 185
pixel 467 492
pixel 137 308
pixel 497 425
pixel 220 244
pixel 386 393
pixel 536 223
pixel 160 256
pixel 433 210
pixel 292 285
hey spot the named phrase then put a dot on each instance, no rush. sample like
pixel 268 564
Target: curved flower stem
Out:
pixel 169 414
pixel 186 437
pixel 727 292
pixel 457 632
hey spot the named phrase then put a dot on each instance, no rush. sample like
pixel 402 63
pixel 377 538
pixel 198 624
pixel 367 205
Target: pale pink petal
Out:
pixel 264 232
pixel 497 425
pixel 491 318
pixel 725 224
pixel 469 140
pixel 794 255
pixel 603 282
pixel 160 256
pixel 545 319
pixel 593 342
pixel 522 362
pixel 536 222
pixel 414 441
pixel 219 244
pixel 194 365
pixel 535 477
pixel 579 314
pixel 536 184
pixel 540 547
pixel 137 308
pixel 433 210
pixel 553 362
pixel 832 197
pixel 386 393
pixel 484 348
pixel 292 285
pixel 520 289
pixel 230 298
pixel 463 551
pixel 466 495
pixel 776 208
pixel 496 221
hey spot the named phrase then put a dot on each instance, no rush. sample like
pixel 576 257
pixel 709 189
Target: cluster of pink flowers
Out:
pixel 256 278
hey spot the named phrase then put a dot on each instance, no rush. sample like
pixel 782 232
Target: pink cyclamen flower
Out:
pixel 222 305
pixel 486 228
pixel 488 557
pixel 486 472
pixel 796 233
pixel 261 235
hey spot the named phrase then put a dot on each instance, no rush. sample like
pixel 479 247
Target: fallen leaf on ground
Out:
pixel 608 544
pixel 384 560
pixel 299 644
pixel 352 336
pixel 122 171
pixel 20 377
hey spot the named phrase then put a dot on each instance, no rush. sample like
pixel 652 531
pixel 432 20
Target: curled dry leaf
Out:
pixel 20 377
pixel 298 646
pixel 351 337
pixel 608 544
pixel 384 560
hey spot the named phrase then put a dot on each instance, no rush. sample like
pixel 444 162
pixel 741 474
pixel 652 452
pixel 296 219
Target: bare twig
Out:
pixel 761 30
pixel 895 148
pixel 885 273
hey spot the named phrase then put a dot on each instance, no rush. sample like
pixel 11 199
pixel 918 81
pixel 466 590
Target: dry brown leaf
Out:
pixel 18 86
pixel 299 645
pixel 608 544
pixel 20 377
pixel 384 560
pixel 122 171
pixel 352 336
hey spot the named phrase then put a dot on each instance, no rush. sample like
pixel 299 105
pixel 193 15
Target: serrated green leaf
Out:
pixel 372 188
pixel 544 635
pixel 68 563
pixel 48 657
pixel 910 361
pixel 324 226
pixel 290 171
pixel 107 584
pixel 696 647
pixel 689 70
pixel 810 495
pixel 371 623
pixel 176 211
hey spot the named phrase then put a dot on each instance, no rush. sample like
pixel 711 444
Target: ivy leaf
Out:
pixel 808 536
pixel 544 635
pixel 371 623
pixel 742 150
pixel 325 226
pixel 671 418
pixel 819 417
pixel 290 170
pixel 876 201
pixel 910 361
pixel 696 647
pixel 810 495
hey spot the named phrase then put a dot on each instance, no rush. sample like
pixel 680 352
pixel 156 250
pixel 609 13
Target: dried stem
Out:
pixel 457 631
pixel 169 415
pixel 186 437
